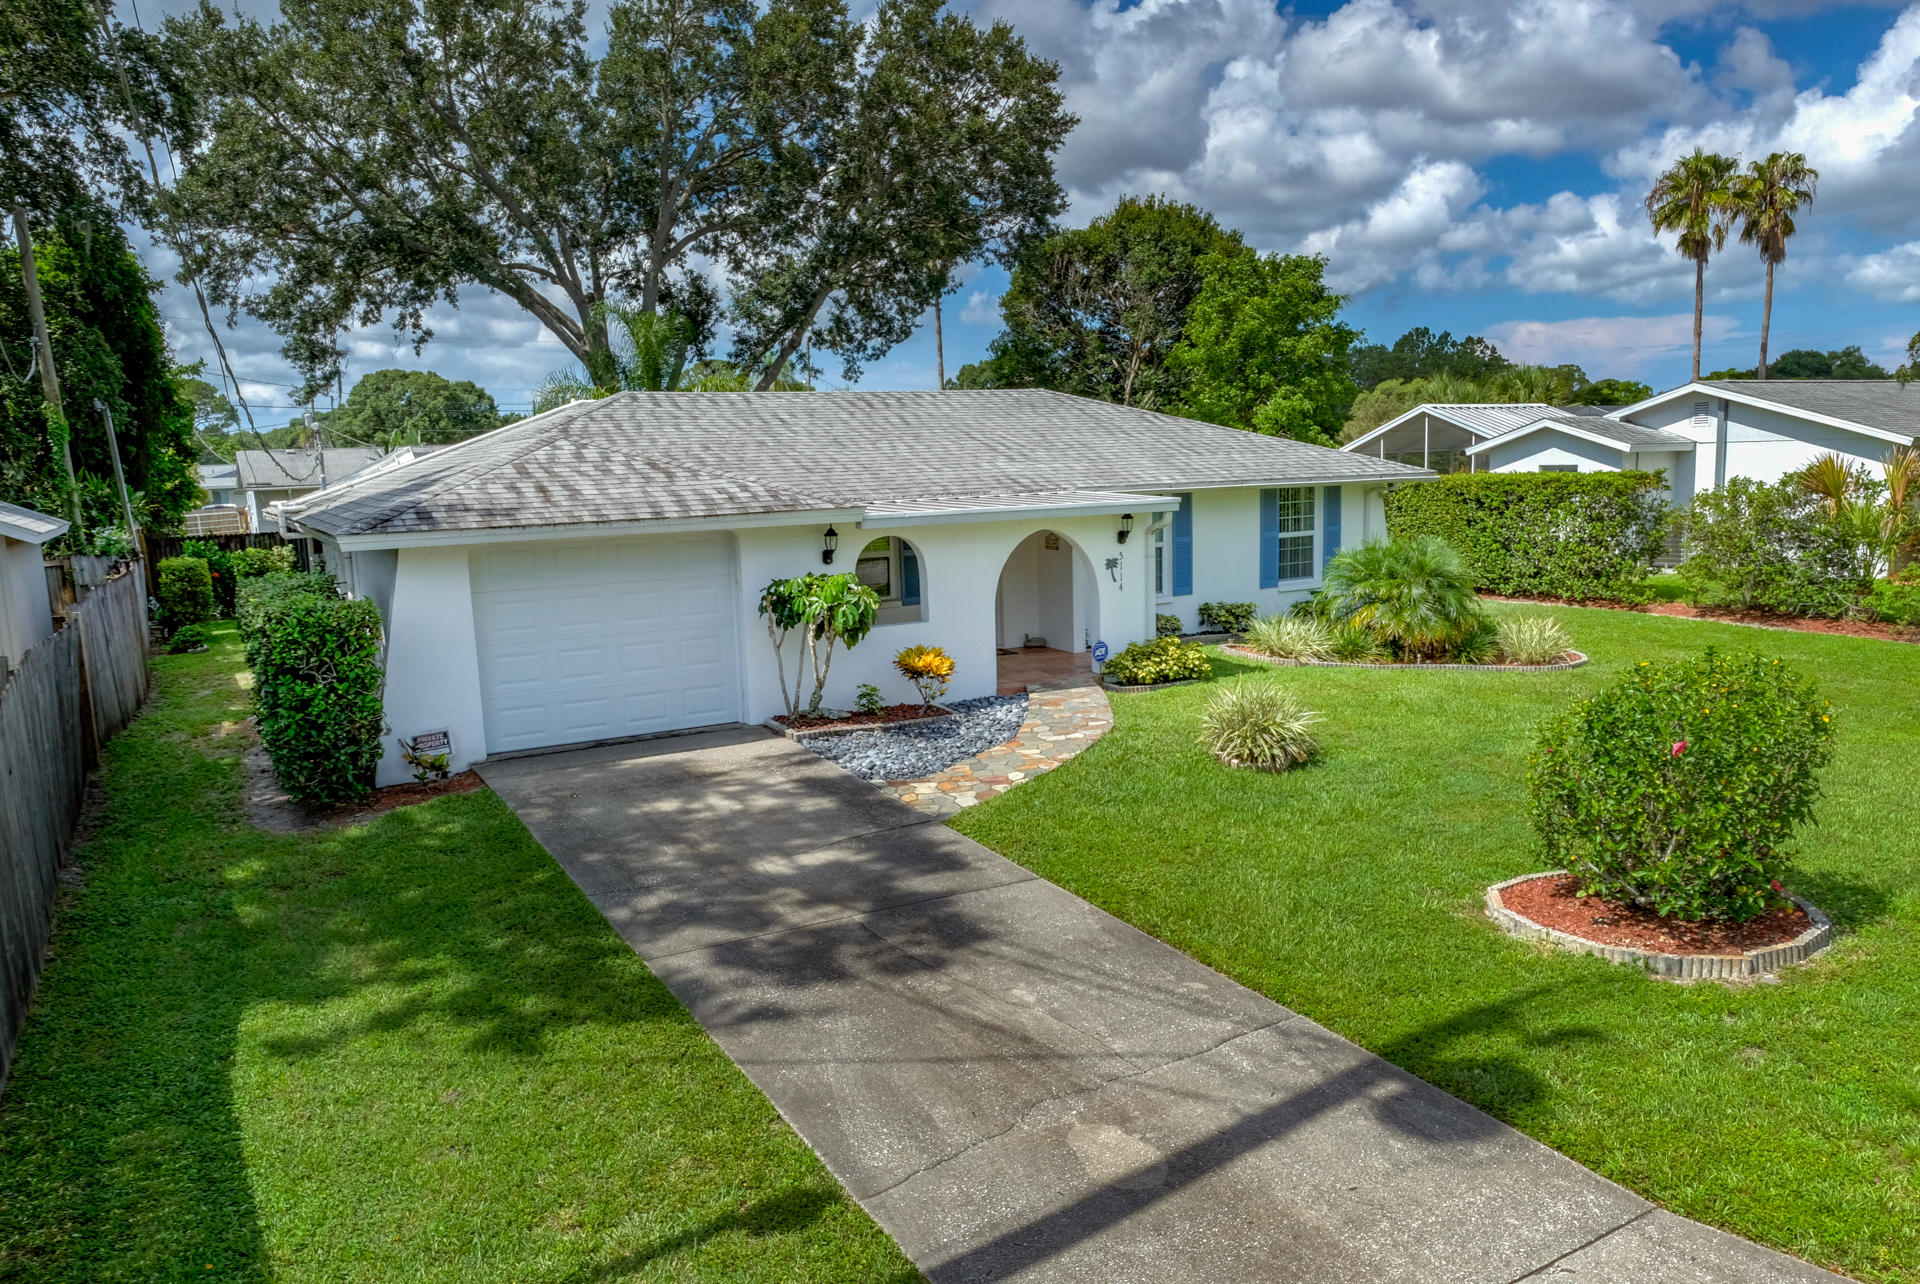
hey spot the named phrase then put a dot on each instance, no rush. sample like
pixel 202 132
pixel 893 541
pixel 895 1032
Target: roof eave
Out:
pixel 1679 444
pixel 349 542
pixel 1007 512
pixel 1702 388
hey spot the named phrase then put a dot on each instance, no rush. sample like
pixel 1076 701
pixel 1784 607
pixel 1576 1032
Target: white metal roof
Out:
pixel 1482 419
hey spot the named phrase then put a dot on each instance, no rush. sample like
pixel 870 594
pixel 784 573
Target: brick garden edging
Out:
pixel 1670 967
pixel 1129 688
pixel 1244 653
pixel 804 733
pixel 1060 723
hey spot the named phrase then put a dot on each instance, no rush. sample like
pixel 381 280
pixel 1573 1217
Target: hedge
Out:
pixel 186 592
pixel 1569 535
pixel 316 684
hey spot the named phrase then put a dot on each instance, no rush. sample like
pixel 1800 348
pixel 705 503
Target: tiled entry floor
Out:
pixel 1043 665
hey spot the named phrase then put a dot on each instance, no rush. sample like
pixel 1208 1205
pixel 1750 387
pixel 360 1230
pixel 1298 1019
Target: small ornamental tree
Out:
pixel 1677 788
pixel 824 610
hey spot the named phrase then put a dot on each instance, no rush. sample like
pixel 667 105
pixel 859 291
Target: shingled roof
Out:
pixel 644 456
pixel 1875 403
pixel 1627 436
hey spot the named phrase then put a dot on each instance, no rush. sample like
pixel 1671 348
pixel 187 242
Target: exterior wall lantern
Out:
pixel 1126 526
pixel 830 542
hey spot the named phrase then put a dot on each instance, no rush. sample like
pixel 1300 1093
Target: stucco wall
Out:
pixel 25 614
pixel 1529 453
pixel 1762 444
pixel 433 669
pixel 1226 548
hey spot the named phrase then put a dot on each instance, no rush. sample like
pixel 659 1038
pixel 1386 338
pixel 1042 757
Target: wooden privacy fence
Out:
pixel 72 692
pixel 161 547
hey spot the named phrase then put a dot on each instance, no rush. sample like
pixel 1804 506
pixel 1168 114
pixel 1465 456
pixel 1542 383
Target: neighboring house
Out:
pixel 221 482
pixel 268 477
pixel 1700 433
pixel 26 612
pixel 595 572
pixel 222 513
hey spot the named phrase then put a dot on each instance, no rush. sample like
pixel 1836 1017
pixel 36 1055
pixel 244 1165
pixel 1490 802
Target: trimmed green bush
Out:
pixel 1574 535
pixel 220 566
pixel 1162 660
pixel 1226 617
pixel 259 601
pixel 1166 626
pixel 1677 788
pixel 186 592
pixel 1894 602
pixel 1354 644
pixel 1773 547
pixel 186 638
pixel 263 559
pixel 316 692
pixel 1259 724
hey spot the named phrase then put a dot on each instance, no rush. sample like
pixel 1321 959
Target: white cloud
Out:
pixel 982 308
pixel 1604 346
pixel 1893 275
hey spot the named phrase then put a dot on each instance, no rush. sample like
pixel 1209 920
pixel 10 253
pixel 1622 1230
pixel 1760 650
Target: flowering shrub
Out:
pixel 1162 660
pixel 219 565
pixel 1226 617
pixel 929 669
pixel 1677 788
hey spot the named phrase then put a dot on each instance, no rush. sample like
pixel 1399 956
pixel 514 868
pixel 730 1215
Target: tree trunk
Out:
pixel 49 378
pixel 1766 322
pixel 939 351
pixel 1699 306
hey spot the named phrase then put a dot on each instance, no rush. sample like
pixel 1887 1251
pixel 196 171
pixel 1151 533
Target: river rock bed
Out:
pixel 908 753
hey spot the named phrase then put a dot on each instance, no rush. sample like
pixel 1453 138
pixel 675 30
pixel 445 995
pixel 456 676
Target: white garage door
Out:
pixel 591 640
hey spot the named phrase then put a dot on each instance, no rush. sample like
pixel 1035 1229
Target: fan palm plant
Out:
pixel 1415 595
pixel 645 352
pixel 1693 198
pixel 1767 197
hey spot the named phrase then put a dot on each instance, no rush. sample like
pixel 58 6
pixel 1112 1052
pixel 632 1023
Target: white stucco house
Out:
pixel 595 572
pixel 26 611
pixel 1700 433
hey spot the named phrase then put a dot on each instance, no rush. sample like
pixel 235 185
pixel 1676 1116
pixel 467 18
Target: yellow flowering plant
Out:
pixel 929 668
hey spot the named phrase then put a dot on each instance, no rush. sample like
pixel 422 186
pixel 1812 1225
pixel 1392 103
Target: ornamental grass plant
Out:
pixel 1291 637
pixel 1259 723
pixel 1532 639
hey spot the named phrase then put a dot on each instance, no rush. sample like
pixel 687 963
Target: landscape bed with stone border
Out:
pixel 1672 967
pixel 1575 660
pixel 841 727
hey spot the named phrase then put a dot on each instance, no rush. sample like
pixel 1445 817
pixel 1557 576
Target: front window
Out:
pixel 1160 589
pixel 878 567
pixel 1296 533
pixel 1559 468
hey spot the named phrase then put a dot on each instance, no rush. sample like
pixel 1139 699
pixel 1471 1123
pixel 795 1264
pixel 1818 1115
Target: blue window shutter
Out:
pixel 909 576
pixel 1269 539
pixel 1330 528
pixel 1183 548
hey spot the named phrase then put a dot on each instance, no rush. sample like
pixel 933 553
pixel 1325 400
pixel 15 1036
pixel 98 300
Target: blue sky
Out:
pixel 1466 165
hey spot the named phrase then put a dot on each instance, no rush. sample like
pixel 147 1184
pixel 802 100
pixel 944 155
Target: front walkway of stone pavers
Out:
pixel 1019 1086
pixel 1061 721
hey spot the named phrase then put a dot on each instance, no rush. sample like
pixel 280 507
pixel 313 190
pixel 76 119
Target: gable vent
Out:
pixel 1699 414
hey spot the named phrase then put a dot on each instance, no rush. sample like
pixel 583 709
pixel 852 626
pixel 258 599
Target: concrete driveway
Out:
pixel 1018 1086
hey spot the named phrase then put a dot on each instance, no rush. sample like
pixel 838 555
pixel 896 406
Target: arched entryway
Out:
pixel 1046 613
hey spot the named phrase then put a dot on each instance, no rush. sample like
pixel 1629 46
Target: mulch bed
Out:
pixel 892 713
pixel 1759 619
pixel 1549 900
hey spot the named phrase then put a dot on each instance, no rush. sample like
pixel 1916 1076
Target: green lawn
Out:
pixel 410 1050
pixel 1351 891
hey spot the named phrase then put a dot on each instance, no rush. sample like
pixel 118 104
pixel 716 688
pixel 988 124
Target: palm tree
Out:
pixel 1693 199
pixel 646 351
pixel 1766 197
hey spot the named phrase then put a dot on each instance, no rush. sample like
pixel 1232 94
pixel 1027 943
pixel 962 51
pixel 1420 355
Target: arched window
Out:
pixel 890 567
